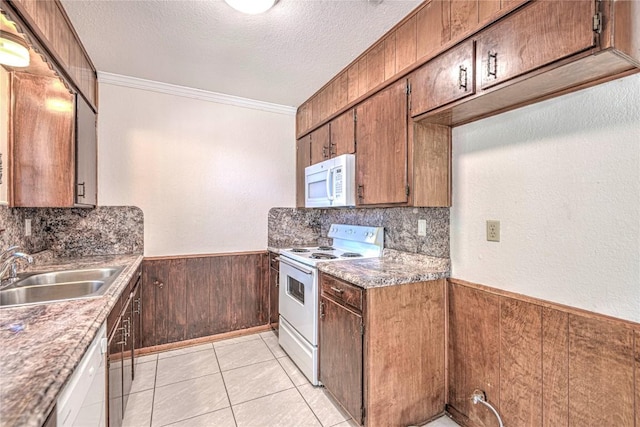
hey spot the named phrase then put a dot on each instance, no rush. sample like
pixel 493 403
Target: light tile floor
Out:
pixel 240 382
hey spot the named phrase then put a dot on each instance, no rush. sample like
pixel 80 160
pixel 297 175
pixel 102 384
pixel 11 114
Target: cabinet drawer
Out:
pixel 342 292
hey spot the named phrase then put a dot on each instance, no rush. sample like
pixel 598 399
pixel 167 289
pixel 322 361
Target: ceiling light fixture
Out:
pixel 14 52
pixel 251 7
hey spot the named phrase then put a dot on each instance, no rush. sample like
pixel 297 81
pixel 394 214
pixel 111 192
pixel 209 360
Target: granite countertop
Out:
pixel 393 268
pixel 41 344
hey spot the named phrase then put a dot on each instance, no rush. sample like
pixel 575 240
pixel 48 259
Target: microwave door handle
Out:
pixel 330 194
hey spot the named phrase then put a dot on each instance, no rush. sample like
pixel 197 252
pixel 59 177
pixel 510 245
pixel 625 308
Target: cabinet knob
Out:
pixel 158 283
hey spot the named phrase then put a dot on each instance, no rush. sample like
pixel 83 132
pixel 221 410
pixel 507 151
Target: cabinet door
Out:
pixel 273 297
pixel 433 27
pixel 86 154
pixel 303 159
pixel 341 355
pixel 165 301
pixel 381 132
pixel 114 374
pixel 447 78
pixel 343 134
pixel 41 159
pixel 136 337
pixel 534 36
pixel 127 358
pixel 320 144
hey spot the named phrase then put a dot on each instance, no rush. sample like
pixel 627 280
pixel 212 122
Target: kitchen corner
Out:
pixel 43 343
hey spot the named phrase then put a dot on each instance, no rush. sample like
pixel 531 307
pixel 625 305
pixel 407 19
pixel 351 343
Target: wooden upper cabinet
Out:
pixel 390 56
pixel 375 66
pixel 303 159
pixel 433 28
pixel 303 118
pixel 352 83
pixel 42 156
pixel 49 23
pixel 406 44
pixel 381 132
pixel 446 78
pixel 320 140
pixel 534 36
pixel 338 93
pixel 343 134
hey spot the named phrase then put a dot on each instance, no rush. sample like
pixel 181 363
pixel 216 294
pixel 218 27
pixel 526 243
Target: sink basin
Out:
pixel 59 285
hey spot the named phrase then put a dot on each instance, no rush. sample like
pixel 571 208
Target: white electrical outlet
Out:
pixel 422 227
pixel 27 227
pixel 493 231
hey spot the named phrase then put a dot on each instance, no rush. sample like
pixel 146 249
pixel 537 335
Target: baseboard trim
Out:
pixel 202 340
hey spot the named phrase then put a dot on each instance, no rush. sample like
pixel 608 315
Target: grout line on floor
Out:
pixel 224 383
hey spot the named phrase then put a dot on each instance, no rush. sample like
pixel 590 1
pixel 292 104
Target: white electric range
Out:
pixel 299 294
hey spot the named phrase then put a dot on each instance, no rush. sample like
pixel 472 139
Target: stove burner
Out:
pixel 325 248
pixel 350 255
pixel 299 250
pixel 316 255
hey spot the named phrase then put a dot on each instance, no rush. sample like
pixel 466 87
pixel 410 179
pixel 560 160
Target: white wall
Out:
pixel 563 178
pixel 205 174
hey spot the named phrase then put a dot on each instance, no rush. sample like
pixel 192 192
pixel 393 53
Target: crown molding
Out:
pixel 187 92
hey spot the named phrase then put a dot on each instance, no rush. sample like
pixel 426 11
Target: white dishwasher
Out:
pixel 82 401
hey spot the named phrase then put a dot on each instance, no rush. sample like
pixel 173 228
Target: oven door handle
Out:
pixel 304 270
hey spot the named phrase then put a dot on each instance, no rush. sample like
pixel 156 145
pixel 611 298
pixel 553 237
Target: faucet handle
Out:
pixel 9 251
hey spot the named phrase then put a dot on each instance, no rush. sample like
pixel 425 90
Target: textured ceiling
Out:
pixel 282 56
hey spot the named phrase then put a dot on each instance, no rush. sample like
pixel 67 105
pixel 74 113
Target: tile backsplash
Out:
pixel 74 231
pixel 292 226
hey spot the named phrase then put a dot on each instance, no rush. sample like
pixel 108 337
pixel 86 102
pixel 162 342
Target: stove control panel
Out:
pixel 357 233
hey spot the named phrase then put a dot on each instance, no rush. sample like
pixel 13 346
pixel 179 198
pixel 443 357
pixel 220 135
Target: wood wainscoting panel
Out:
pixel 600 373
pixel 474 352
pixel 190 297
pixel 555 368
pixel 520 363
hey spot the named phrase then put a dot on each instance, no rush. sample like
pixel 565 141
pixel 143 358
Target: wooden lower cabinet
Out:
pixel 198 296
pixel 382 351
pixel 274 284
pixel 122 324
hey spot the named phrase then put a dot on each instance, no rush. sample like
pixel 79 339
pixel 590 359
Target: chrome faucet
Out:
pixel 9 259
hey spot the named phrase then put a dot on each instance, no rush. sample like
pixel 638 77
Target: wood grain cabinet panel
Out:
pixel 601 385
pixel 303 118
pixel 555 368
pixel 445 79
pixel 474 352
pixel 274 283
pixel 381 132
pixel 520 363
pixel 390 56
pixel 341 355
pixel 382 350
pixel 320 144
pixel 406 44
pixel 352 82
pixel 343 134
pixel 538 34
pixel 486 10
pixel 303 159
pixel 375 66
pixel 433 27
pixel 464 17
pixel 193 297
pixel 42 157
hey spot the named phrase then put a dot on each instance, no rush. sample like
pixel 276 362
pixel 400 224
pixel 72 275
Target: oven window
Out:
pixel 295 289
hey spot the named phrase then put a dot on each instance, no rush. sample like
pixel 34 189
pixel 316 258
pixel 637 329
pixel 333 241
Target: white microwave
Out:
pixel 331 183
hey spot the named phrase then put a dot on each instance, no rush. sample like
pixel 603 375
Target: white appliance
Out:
pixel 299 293
pixel 82 401
pixel 331 183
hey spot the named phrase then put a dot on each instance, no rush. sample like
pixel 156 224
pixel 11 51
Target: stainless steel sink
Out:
pixel 59 285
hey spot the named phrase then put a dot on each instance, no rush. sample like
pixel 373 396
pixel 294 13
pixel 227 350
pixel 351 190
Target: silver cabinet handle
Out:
pixel 492 71
pixel 462 78
pixel 337 290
